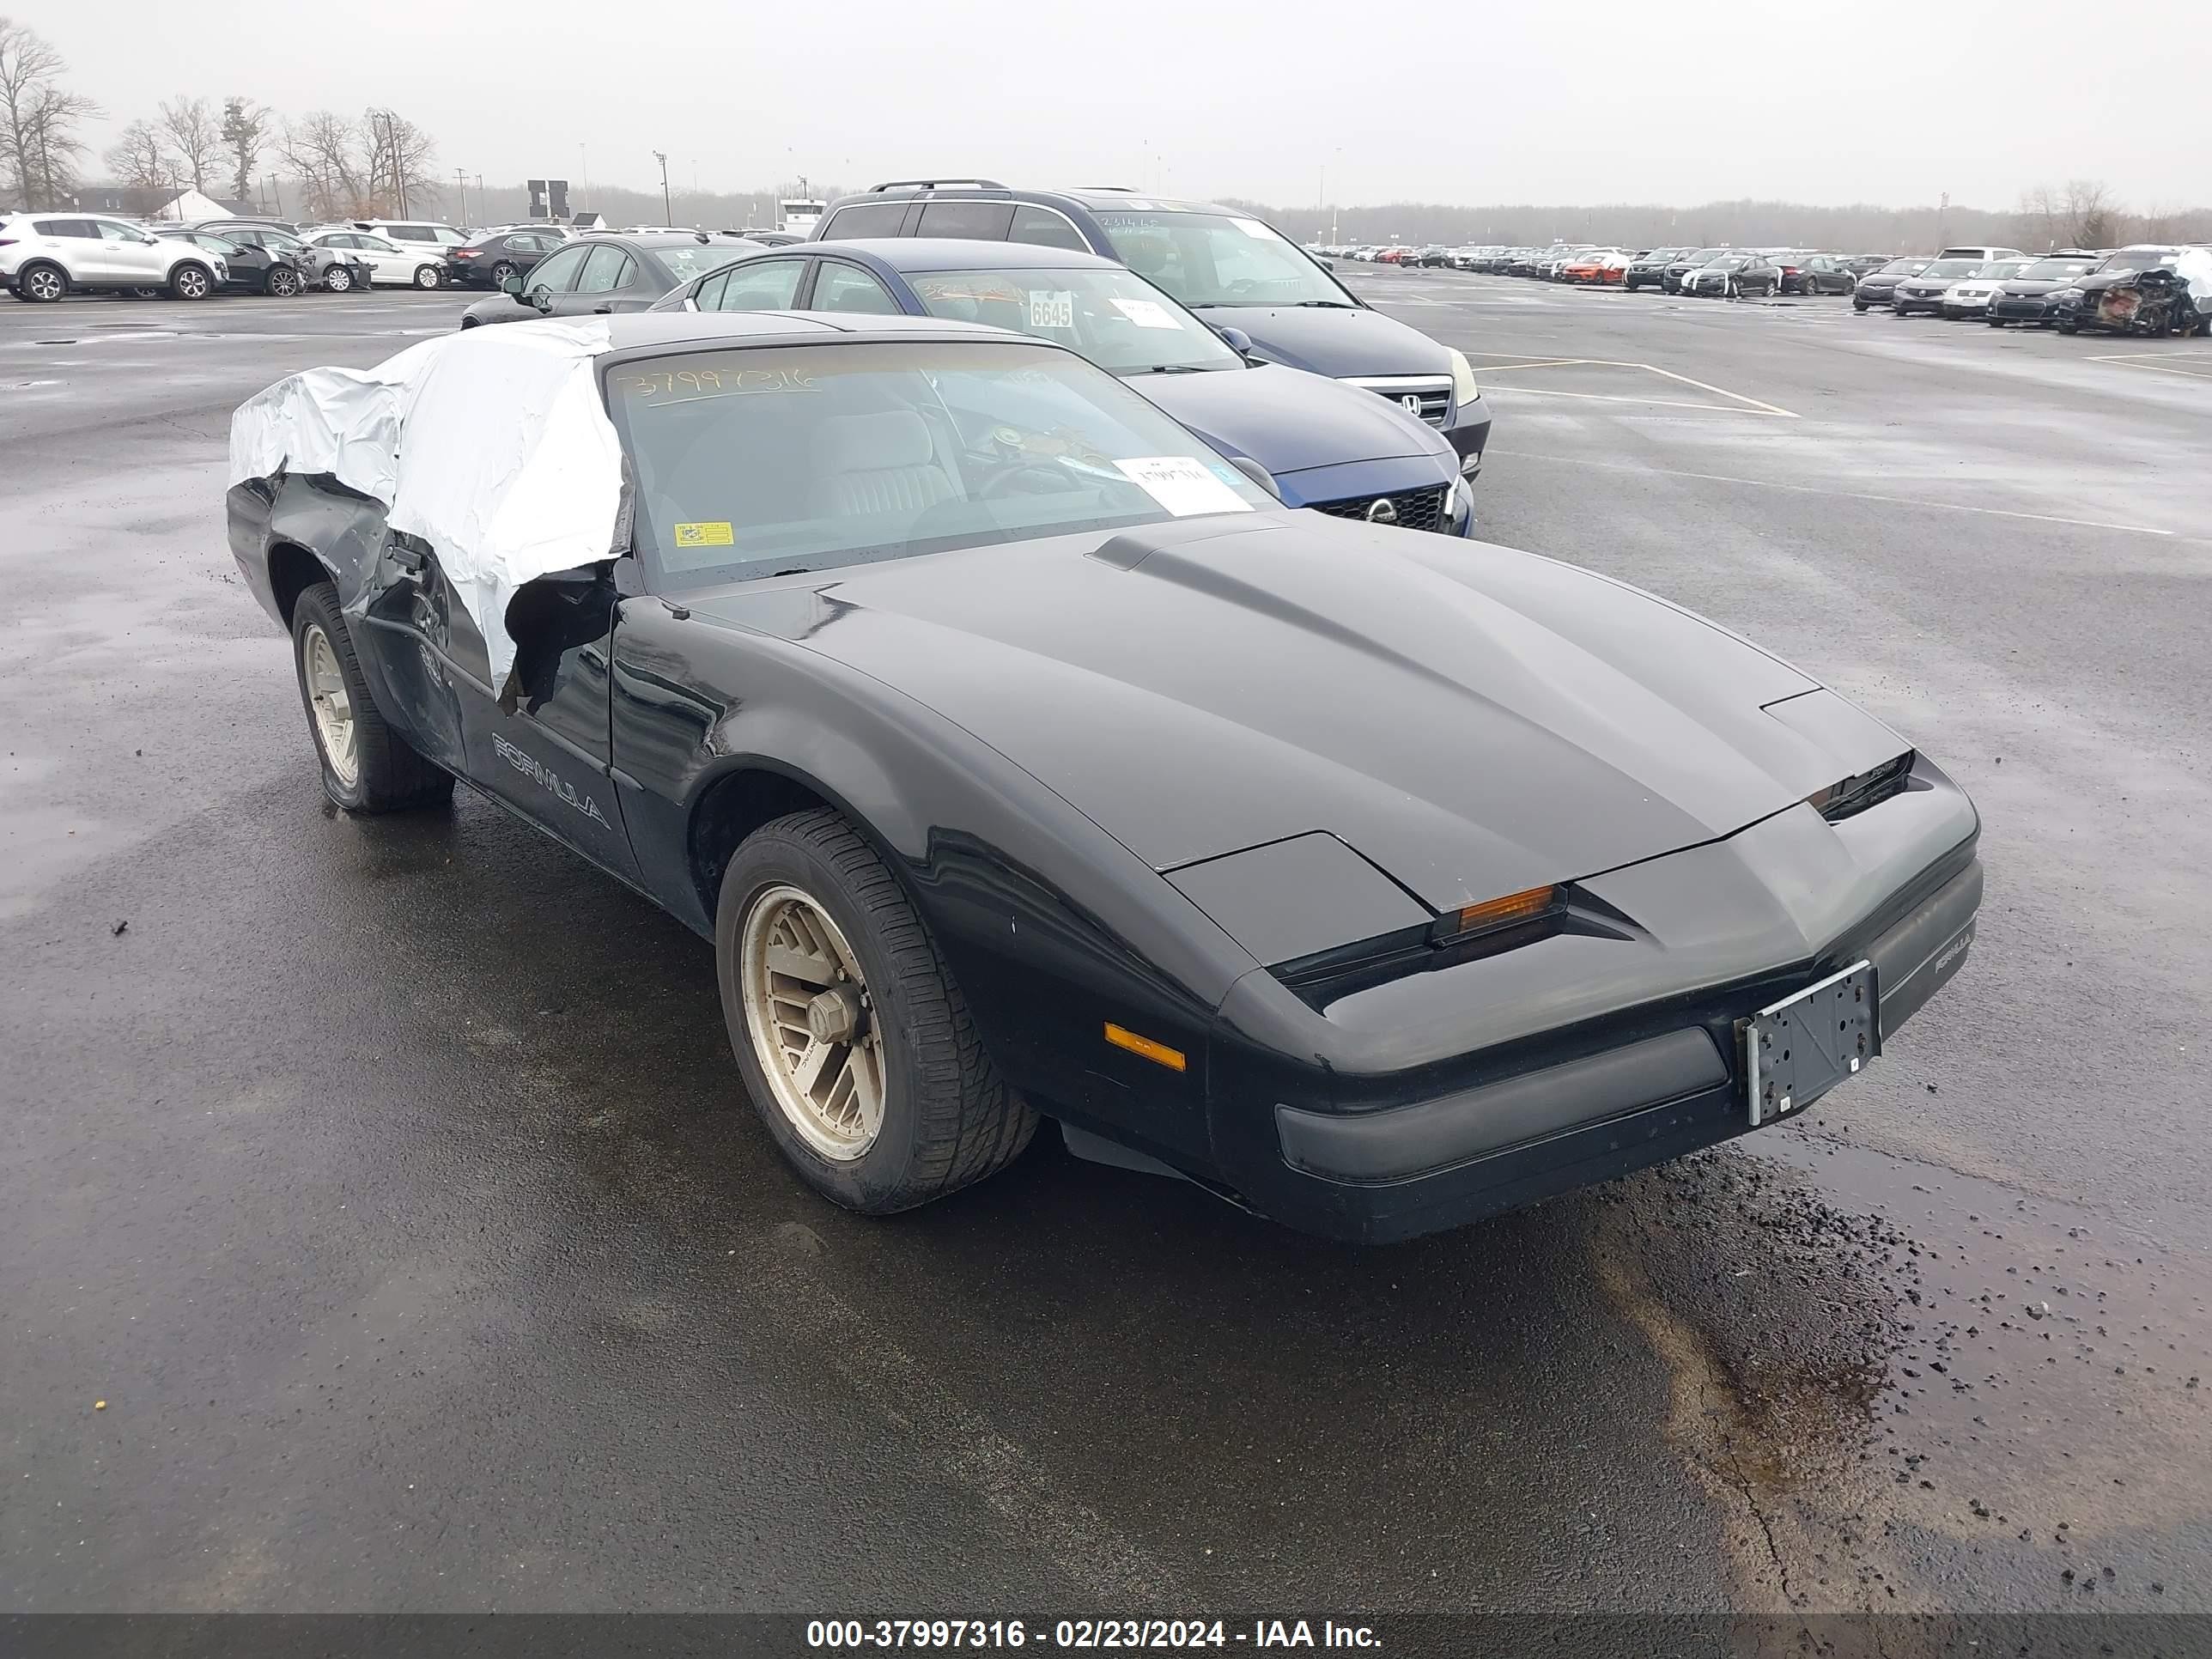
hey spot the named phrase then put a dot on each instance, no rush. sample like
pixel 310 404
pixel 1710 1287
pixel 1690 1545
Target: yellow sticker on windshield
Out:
pixel 705 534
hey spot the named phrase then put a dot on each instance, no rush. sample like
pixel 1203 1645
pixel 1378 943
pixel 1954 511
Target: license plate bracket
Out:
pixel 1797 1049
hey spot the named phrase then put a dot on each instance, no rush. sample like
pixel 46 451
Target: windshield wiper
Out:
pixel 1176 369
pixel 1328 305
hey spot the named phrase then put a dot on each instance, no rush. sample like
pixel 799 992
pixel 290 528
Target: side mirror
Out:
pixel 512 283
pixel 1236 339
pixel 1326 265
pixel 1258 474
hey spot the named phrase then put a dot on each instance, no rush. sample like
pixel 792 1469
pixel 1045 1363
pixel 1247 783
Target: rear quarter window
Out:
pixel 866 219
pixel 982 222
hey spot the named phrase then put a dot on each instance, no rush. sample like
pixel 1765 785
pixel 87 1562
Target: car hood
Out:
pixel 1287 420
pixel 1325 340
pixel 1473 720
pixel 2020 288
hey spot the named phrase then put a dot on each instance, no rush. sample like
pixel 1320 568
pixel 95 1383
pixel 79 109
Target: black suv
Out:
pixel 1268 296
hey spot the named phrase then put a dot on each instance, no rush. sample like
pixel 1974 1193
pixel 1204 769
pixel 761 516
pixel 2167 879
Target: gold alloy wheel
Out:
pixel 811 1022
pixel 331 704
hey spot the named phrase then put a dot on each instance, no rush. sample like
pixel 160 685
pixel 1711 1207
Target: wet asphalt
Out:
pixel 389 1183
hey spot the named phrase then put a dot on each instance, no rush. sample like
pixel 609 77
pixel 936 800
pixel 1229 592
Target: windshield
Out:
pixel 2056 270
pixel 1952 268
pixel 1113 317
pixel 2003 268
pixel 1903 267
pixel 1219 259
pixel 775 460
pixel 2140 258
pixel 1700 256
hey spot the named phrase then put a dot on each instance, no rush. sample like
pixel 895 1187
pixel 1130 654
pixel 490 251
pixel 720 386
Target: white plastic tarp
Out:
pixel 2195 267
pixel 491 443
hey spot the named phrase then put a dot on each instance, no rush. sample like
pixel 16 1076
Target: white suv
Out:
pixel 43 255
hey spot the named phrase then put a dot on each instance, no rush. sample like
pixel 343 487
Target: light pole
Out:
pixel 462 179
pixel 667 213
pixel 584 169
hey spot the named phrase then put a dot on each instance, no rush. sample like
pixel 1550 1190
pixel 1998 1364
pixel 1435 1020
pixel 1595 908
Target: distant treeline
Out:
pixel 2082 213
pixel 2041 221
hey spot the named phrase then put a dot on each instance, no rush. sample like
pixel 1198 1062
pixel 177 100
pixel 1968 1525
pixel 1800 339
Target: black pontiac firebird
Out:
pixel 1020 754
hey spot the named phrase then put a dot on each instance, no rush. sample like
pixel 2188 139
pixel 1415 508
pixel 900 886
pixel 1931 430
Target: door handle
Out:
pixel 602 311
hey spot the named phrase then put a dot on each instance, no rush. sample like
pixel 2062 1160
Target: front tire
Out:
pixel 428 277
pixel 366 766
pixel 855 1044
pixel 191 283
pixel 338 279
pixel 41 283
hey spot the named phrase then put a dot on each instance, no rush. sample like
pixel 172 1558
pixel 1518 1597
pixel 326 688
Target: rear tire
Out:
pixel 283 282
pixel 338 279
pixel 941 1116
pixel 41 283
pixel 366 766
pixel 500 273
pixel 428 277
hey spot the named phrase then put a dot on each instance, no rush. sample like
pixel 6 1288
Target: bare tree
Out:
pixel 322 150
pixel 2092 216
pixel 38 145
pixel 194 140
pixel 399 156
pixel 2039 216
pixel 136 158
pixel 52 122
pixel 245 131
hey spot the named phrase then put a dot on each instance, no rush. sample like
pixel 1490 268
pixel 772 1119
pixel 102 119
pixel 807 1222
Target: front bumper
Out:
pixel 2021 309
pixel 1904 303
pixel 1374 1157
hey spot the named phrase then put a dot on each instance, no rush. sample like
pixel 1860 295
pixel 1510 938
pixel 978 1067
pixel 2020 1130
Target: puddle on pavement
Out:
pixel 1919 1388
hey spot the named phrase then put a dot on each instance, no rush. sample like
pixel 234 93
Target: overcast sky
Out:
pixel 1590 100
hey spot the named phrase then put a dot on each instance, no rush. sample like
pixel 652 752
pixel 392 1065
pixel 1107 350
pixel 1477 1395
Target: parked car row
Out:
pixel 2148 288
pixel 47 256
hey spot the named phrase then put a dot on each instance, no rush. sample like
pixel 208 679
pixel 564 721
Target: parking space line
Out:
pixel 1644 403
pixel 1817 489
pixel 1734 398
pixel 2127 360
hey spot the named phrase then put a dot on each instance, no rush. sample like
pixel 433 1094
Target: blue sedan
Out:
pixel 1337 448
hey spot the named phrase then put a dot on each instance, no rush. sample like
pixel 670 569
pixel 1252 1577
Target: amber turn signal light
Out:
pixel 1492 913
pixel 1158 1053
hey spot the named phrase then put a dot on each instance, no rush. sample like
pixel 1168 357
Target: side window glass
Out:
pixel 864 219
pixel 557 275
pixel 979 221
pixel 112 232
pixel 707 296
pixel 768 285
pixel 605 271
pixel 1044 227
pixel 840 287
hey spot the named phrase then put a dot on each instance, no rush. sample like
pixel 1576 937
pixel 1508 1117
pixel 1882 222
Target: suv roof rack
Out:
pixel 1124 190
pixel 933 184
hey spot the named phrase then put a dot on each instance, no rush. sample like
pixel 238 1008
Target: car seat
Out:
pixel 878 463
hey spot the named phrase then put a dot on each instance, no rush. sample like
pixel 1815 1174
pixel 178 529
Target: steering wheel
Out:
pixel 1243 286
pixel 1002 483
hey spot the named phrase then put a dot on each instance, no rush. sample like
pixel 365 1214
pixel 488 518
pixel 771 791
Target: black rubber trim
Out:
pixel 1410 1140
